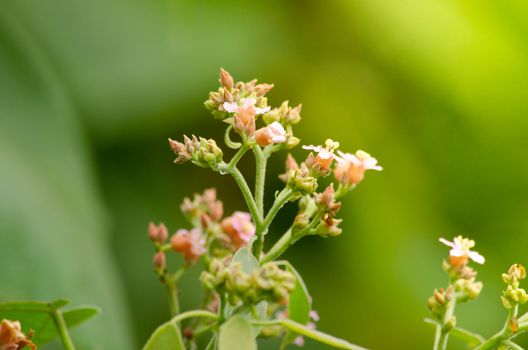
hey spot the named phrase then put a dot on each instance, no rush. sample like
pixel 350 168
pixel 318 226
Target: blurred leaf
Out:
pixel 299 304
pixel 246 259
pixel 165 337
pixel 37 316
pixel 53 236
pixel 236 334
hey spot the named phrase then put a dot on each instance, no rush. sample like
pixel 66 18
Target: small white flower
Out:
pixel 326 152
pixel 245 103
pixel 461 247
pixel 361 158
pixel 277 132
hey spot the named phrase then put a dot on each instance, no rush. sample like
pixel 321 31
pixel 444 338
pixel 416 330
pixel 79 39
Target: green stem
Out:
pixel 174 304
pixel 244 188
pixel 261 231
pixel 194 313
pixel 261 161
pixel 512 345
pixel 505 333
pixel 238 155
pixel 62 329
pixel 442 334
pixel 279 247
pixel 281 199
pixel 311 333
pixel 288 239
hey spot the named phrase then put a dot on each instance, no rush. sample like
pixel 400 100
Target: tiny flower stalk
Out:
pixel 255 285
pixel 463 287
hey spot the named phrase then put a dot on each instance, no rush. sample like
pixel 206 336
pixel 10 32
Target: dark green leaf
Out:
pixel 236 334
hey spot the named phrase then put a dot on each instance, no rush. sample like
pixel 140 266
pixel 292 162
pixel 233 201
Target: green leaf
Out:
pixel 319 336
pixel 236 334
pixel 299 304
pixel 165 337
pixel 247 260
pixel 36 315
pixel 261 314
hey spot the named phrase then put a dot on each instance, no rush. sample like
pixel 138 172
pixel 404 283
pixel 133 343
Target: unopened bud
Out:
pixel 263 89
pixel 226 80
pixel 160 261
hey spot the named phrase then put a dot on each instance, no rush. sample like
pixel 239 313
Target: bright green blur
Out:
pixel 90 91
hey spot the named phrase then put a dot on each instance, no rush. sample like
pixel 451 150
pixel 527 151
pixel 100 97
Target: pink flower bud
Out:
pixel 239 227
pixel 158 234
pixel 160 261
pixel 226 80
pixel 273 133
pixel 190 243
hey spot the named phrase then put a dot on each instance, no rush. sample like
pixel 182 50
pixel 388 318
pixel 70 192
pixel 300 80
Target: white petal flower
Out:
pixel 361 158
pixel 461 247
pixel 277 132
pixel 231 107
pixel 245 103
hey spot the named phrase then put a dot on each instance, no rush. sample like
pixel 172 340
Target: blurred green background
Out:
pixel 91 90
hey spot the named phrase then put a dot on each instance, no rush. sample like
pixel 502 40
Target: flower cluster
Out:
pixel 219 241
pixel 513 295
pixel 12 337
pixel 205 213
pixel 269 282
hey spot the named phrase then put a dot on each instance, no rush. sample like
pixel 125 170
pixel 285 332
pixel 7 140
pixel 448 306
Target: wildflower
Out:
pixel 205 207
pixel 202 152
pixel 461 251
pixel 190 243
pixel 350 169
pixel 273 133
pixel 12 337
pixel 158 234
pixel 322 161
pixel 239 227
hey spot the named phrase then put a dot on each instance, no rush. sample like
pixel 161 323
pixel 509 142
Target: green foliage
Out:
pixel 165 337
pixel 39 317
pixel 236 334
pixel 299 305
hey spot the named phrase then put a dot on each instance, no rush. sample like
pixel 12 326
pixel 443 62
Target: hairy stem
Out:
pixel 62 329
pixel 246 192
pixel 281 199
pixel 278 248
pixel 261 161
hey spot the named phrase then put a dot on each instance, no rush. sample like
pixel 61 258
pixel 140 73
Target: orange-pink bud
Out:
pixel 226 80
pixel 160 261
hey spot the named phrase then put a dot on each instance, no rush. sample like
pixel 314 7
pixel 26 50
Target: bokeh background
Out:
pixel 91 90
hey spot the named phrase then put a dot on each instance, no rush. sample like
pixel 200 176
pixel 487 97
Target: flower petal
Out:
pixel 446 242
pixel 476 257
pixel 230 107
